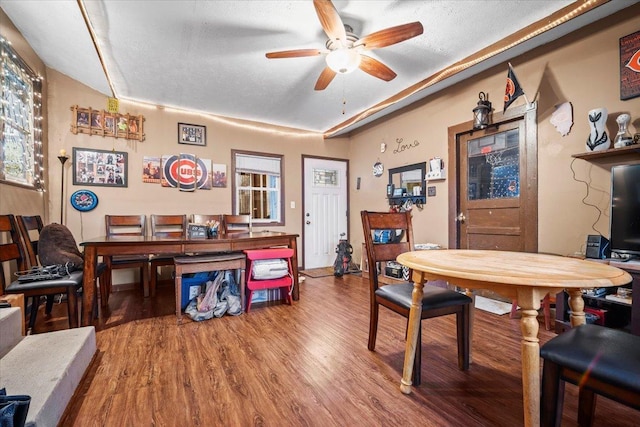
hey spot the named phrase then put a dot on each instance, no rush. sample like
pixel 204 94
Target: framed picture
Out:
pixel 82 117
pixel 104 123
pixel 109 124
pixel 192 134
pixel 99 167
pixel 630 66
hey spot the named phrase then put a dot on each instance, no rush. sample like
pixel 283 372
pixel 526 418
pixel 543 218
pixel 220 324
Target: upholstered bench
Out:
pixel 599 360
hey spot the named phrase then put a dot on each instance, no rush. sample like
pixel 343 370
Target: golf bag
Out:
pixel 343 258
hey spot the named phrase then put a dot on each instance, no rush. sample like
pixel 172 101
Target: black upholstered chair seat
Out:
pixel 70 285
pixel 74 279
pixel 608 355
pixel 598 360
pixel 433 297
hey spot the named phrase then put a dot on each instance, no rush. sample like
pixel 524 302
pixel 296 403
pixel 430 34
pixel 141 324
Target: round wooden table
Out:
pixel 525 277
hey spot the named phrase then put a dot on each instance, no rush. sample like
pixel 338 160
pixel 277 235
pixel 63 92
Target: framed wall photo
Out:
pixel 104 123
pixel 192 134
pixel 630 66
pixel 99 167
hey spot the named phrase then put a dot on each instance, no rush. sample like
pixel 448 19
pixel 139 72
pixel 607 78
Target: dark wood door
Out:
pixel 490 214
pixel 496 187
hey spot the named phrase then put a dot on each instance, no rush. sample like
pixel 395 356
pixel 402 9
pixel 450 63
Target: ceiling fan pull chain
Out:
pixel 344 97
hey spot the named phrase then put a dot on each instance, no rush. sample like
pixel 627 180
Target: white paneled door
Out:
pixel 325 210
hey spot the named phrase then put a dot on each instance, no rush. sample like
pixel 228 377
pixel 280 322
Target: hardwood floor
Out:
pixel 300 365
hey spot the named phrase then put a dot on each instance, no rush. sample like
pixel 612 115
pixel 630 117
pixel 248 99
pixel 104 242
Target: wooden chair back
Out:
pixel 30 228
pixel 386 235
pixel 203 219
pixel 169 225
pixel 125 225
pixel 10 250
pixel 236 223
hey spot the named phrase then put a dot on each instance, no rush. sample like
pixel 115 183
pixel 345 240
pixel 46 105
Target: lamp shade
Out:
pixel 343 60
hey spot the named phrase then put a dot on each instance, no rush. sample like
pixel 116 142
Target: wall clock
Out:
pixel 378 168
pixel 84 200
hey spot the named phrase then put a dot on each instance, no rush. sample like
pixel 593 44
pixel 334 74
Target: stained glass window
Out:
pixel 325 178
pixel 20 120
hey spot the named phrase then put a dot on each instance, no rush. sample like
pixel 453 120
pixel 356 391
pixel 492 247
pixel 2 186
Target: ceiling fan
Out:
pixel 344 49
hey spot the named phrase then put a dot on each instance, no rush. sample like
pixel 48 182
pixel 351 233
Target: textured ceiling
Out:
pixel 209 56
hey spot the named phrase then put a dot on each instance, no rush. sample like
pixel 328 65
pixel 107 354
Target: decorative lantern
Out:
pixel 482 112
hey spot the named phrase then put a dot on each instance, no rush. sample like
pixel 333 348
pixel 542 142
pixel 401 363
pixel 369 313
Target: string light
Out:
pixel 21 111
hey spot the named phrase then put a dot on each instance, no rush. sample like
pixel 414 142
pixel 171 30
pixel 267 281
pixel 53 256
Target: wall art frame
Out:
pixel 630 66
pixel 102 168
pixel 192 134
pixel 104 123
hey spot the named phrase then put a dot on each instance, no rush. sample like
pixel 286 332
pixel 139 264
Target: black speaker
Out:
pixel 598 247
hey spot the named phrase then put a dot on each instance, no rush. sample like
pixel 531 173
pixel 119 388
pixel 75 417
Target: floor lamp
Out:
pixel 63 159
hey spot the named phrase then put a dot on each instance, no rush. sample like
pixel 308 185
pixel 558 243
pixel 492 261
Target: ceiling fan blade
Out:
pixel 297 53
pixel 330 20
pixel 376 68
pixel 325 78
pixel 390 36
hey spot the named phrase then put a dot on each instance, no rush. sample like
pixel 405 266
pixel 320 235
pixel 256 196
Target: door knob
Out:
pixel 461 217
pixel 308 222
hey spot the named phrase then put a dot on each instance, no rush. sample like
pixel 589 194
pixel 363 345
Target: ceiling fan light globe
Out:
pixel 343 61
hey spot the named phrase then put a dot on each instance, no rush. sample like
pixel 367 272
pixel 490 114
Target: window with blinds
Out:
pixel 257 187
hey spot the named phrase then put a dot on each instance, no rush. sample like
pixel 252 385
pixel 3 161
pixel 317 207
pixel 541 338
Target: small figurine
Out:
pixel 623 137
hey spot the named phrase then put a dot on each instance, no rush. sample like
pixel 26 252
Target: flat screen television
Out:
pixel 625 210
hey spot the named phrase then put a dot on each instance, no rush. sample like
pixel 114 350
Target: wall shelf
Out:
pixel 631 150
pixel 400 200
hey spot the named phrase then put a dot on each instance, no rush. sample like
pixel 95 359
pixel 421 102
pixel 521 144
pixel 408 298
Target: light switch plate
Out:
pixel 431 191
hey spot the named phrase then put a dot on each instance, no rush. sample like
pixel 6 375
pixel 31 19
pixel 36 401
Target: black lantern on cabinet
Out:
pixel 482 112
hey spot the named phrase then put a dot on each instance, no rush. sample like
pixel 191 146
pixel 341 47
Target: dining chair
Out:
pixel 122 226
pixel 165 226
pixel 236 223
pixel 597 359
pixel 12 251
pixel 396 297
pixel 30 227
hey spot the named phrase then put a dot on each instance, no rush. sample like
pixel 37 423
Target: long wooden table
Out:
pixel 139 245
pixel 525 277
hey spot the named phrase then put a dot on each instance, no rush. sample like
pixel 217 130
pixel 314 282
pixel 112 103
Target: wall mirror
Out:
pixel 407 180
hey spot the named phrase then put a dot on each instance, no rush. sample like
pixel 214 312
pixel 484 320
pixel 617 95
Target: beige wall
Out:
pixel 581 68
pixel 15 199
pixel 161 130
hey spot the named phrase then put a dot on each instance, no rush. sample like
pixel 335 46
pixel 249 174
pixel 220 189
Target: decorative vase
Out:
pixel 598 139
pixel 623 137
